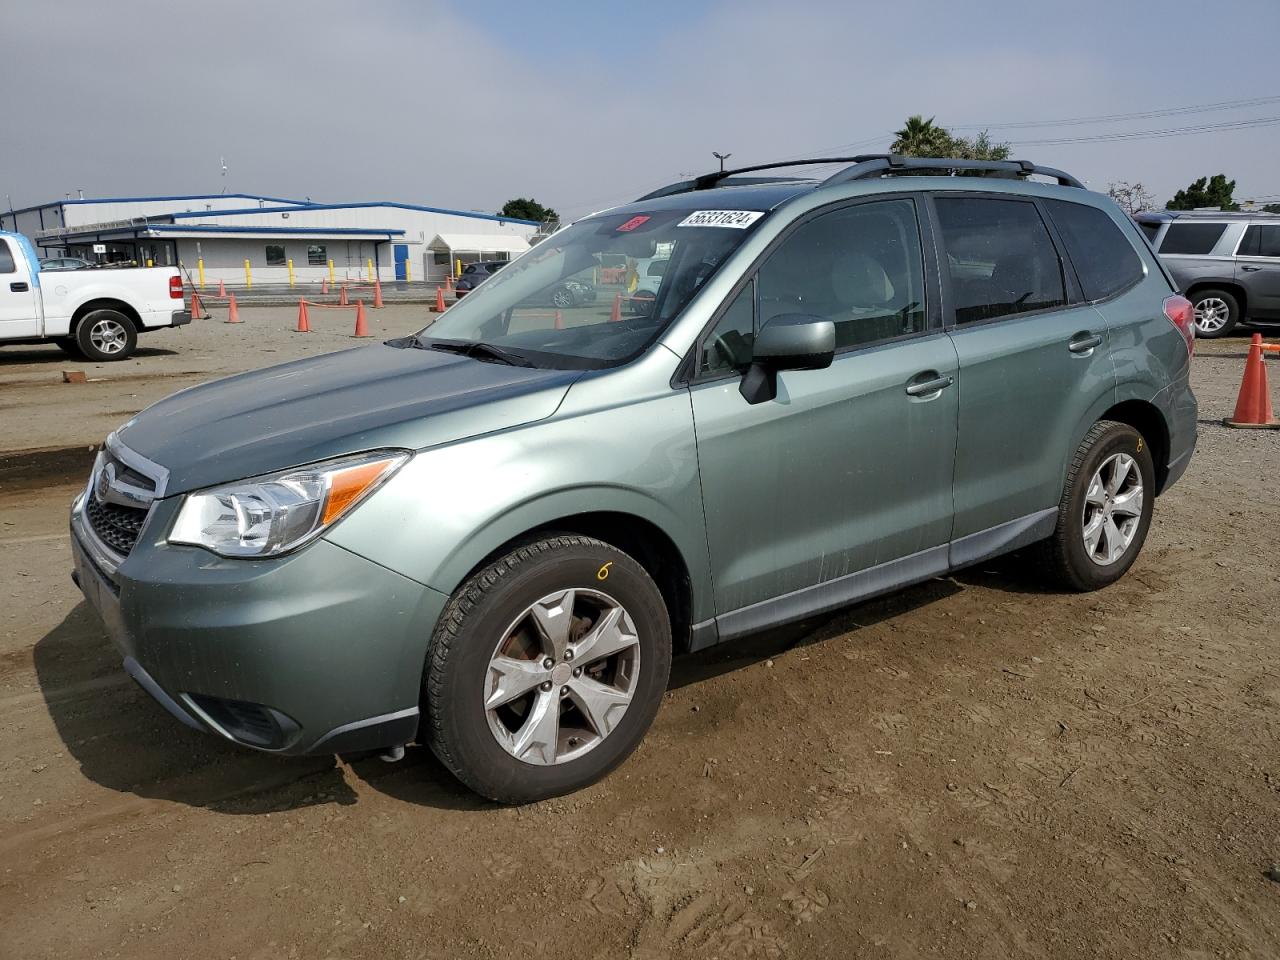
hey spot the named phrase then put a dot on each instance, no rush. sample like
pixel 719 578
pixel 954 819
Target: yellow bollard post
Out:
pixel 200 270
pixel 150 262
pixel 370 264
pixel 458 267
pixel 407 278
pixel 291 271
pixel 331 280
pixel 248 274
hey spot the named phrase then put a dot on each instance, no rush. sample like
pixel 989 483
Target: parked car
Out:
pixel 474 274
pixel 491 537
pixel 54 264
pixel 1226 264
pixel 96 314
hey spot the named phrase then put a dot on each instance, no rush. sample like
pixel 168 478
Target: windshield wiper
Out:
pixel 484 352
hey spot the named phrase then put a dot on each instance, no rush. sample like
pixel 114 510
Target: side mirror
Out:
pixel 790 341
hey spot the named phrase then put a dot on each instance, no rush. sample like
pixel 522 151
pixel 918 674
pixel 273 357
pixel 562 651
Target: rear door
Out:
pixel 848 468
pixel 1258 269
pixel 1033 361
pixel 19 288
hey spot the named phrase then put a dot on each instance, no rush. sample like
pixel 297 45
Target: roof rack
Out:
pixel 869 165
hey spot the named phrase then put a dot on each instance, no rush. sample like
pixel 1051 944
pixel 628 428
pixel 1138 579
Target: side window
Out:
pixel 1104 259
pixel 1260 241
pixel 727 347
pixel 275 255
pixel 1000 257
pixel 6 258
pixel 1191 238
pixel 859 267
pixel 316 255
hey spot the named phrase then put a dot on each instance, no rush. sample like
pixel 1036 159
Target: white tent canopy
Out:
pixel 479 243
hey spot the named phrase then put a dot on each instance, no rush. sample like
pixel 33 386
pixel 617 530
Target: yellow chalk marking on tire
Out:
pixel 1139 444
pixel 603 572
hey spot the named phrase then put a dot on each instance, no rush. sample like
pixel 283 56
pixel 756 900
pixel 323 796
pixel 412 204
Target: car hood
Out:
pixel 336 404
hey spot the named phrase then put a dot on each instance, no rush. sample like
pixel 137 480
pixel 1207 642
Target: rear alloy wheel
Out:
pixel 1216 313
pixel 105 335
pixel 546 669
pixel 562 297
pixel 1105 510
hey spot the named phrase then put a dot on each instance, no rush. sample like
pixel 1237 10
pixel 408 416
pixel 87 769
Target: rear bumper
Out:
pixel 318 652
pixel 180 318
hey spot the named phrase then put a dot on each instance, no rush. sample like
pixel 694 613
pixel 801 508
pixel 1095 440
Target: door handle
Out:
pixel 1084 342
pixel 922 388
pixel 19 286
pixel 1250 269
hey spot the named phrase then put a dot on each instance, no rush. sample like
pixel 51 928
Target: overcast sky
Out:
pixel 585 105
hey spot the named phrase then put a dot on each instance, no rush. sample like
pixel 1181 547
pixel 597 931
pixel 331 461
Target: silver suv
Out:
pixel 1226 264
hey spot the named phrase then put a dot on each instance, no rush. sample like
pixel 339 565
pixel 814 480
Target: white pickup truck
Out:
pixel 96 314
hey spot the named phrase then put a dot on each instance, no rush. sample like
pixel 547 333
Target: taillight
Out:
pixel 1183 316
pixel 175 288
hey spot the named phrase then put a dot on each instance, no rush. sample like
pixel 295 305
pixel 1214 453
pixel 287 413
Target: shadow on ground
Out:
pixel 52 355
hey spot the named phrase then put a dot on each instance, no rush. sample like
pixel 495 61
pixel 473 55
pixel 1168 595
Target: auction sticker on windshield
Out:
pixel 735 219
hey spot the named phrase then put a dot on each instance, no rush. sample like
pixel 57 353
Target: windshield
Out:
pixel 576 300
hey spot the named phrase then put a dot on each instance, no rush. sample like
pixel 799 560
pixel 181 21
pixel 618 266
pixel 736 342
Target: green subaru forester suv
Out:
pixel 491 537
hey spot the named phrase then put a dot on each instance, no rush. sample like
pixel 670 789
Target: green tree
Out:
pixel 979 148
pixel 1271 208
pixel 522 209
pixel 1212 191
pixel 921 138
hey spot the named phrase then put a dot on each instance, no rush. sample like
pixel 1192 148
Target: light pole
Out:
pixel 722 157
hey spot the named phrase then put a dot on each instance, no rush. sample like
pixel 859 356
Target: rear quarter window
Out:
pixel 6 258
pixel 1191 238
pixel 1152 230
pixel 1105 261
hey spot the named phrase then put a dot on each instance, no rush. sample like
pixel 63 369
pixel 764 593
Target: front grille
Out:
pixel 118 527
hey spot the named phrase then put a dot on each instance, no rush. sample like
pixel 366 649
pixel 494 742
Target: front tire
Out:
pixel 1216 313
pixel 106 335
pixel 546 669
pixel 1105 510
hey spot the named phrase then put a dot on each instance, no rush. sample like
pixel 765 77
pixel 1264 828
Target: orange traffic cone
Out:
pixel 377 293
pixel 197 308
pixel 448 284
pixel 559 320
pixel 439 300
pixel 1253 405
pixel 324 285
pixel 362 322
pixel 233 312
pixel 342 296
pixel 304 321
pixel 616 315
pixel 222 289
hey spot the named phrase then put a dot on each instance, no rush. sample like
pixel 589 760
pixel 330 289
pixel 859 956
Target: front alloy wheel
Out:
pixel 546 669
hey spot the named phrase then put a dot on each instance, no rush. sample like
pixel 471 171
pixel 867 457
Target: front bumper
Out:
pixel 317 652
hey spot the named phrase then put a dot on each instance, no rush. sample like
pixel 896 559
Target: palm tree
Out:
pixel 921 138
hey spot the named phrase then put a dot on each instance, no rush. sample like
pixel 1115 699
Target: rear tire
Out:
pixel 1105 510
pixel 1216 313
pixel 106 335
pixel 511 727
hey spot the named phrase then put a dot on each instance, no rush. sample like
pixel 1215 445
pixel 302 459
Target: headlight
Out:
pixel 270 515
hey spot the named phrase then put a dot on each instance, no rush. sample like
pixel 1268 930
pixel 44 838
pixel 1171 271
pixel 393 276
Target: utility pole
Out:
pixel 722 157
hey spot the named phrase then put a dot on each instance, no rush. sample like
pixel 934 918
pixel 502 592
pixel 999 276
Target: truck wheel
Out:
pixel 1105 510
pixel 106 335
pixel 68 346
pixel 546 669
pixel 1216 313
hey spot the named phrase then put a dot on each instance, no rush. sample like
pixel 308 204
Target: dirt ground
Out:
pixel 971 768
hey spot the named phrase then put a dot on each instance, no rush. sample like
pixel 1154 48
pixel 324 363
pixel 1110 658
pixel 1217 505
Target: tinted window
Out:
pixel 1261 241
pixel 1105 261
pixel 1193 238
pixel 859 267
pixel 1000 257
pixel 6 258
pixel 275 255
pixel 316 255
pixel 728 346
pixel 1150 229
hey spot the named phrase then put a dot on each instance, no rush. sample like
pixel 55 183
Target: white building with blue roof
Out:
pixel 220 233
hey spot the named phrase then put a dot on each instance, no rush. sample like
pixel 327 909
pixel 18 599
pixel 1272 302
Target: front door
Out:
pixel 1258 270
pixel 841 484
pixel 18 291
pixel 400 251
pixel 1034 361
